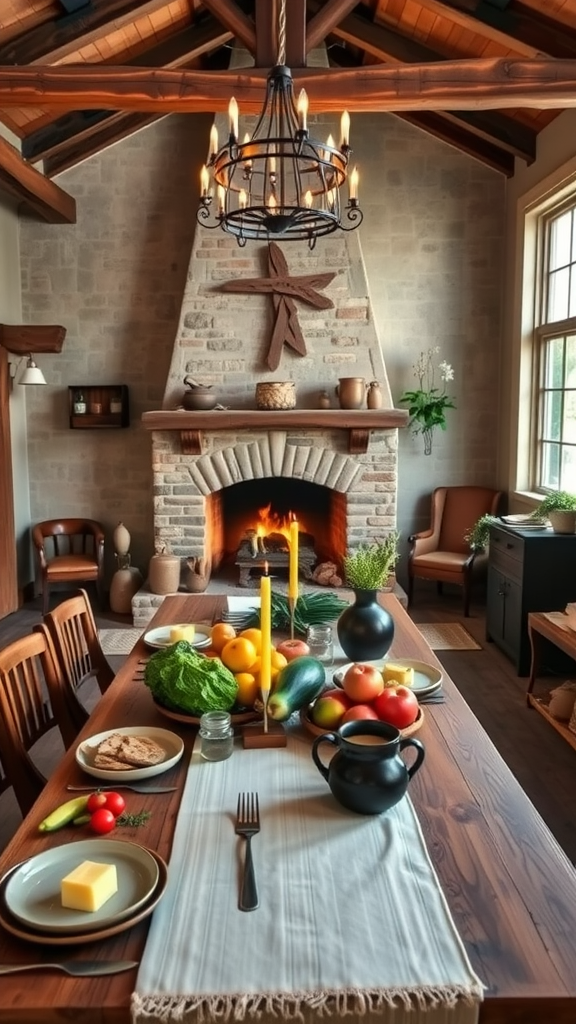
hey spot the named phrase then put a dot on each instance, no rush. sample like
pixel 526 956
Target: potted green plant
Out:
pixel 479 534
pixel 560 508
pixel 366 629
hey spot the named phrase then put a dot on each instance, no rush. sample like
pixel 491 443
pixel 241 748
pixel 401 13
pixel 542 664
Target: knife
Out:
pixel 125 785
pixel 77 968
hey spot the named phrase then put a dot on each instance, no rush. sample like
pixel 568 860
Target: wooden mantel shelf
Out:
pixel 358 423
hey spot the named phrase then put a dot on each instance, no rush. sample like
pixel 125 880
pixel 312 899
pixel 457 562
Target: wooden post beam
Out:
pixel 26 184
pixel 23 339
pixel 481 84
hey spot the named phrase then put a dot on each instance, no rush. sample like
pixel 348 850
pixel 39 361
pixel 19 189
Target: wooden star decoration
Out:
pixel 284 288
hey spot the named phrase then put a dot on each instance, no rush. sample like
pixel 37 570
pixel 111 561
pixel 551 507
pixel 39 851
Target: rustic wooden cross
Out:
pixel 284 289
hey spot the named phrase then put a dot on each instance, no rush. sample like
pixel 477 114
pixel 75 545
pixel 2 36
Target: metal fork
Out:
pixel 248 825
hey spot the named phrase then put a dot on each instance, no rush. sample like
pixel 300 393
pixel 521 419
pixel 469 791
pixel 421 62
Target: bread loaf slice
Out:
pixel 110 763
pixel 120 753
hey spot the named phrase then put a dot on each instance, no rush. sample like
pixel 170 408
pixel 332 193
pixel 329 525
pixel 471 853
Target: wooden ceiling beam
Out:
pixel 80 145
pixel 24 339
pixel 455 135
pixel 326 20
pixel 481 84
pixel 532 29
pixel 239 24
pixel 56 39
pixel 266 15
pixel 27 185
pixel 389 46
pixel 296 47
pixel 467 21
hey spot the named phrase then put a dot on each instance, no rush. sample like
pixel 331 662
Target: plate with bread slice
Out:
pixel 129 753
pixel 424 679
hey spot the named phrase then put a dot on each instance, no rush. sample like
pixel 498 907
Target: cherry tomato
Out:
pixel 95 800
pixel 115 802
pixel 102 821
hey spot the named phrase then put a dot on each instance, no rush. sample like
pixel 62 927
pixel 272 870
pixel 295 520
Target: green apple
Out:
pixel 327 712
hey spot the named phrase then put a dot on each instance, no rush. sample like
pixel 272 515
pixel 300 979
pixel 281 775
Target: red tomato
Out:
pixel 102 821
pixel 397 705
pixel 95 800
pixel 116 803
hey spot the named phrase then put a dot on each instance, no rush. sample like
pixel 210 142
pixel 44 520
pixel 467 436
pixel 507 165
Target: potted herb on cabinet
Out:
pixel 479 534
pixel 560 508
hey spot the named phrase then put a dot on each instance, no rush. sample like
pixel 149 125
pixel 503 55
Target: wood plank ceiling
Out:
pixel 491 105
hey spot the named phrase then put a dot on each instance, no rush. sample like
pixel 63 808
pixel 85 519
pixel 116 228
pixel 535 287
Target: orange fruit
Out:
pixel 277 661
pixel 248 689
pixel 239 654
pixel 220 634
pixel 254 635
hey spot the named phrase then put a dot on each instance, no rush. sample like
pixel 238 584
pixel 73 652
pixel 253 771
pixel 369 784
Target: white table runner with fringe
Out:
pixel 352 921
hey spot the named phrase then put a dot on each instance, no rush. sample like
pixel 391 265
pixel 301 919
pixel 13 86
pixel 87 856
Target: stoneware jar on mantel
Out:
pixel 351 392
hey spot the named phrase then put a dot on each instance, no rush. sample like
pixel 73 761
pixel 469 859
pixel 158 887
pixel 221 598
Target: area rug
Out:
pixel 119 641
pixel 447 636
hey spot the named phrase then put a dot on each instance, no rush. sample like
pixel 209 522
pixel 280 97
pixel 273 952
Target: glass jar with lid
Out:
pixel 217 735
pixel 320 641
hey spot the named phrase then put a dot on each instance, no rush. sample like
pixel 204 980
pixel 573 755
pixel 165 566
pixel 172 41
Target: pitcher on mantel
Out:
pixel 351 392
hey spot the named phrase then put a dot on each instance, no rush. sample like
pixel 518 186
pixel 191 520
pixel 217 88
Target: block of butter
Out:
pixel 88 886
pixel 397 675
pixel 181 633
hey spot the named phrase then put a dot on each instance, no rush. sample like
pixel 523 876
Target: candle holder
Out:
pixel 254 736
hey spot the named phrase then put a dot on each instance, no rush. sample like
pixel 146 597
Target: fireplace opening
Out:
pixel 248 525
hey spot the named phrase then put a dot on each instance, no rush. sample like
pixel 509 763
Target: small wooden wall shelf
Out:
pixel 98 406
pixel 358 422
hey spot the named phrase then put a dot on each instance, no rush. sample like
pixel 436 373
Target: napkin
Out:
pixel 352 921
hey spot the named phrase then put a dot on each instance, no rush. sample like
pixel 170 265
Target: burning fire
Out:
pixel 270 522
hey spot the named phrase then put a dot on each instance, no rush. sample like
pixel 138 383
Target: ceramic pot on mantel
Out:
pixel 365 629
pixel 351 392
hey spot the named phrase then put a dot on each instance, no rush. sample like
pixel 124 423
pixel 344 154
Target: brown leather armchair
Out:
pixel 69 551
pixel 441 553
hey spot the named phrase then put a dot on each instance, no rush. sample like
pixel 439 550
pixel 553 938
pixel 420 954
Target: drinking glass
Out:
pixel 321 643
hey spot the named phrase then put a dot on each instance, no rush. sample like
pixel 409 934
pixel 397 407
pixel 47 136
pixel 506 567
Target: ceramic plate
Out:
pixel 32 893
pixel 21 931
pixel 523 522
pixel 160 637
pixel 171 743
pixel 427 678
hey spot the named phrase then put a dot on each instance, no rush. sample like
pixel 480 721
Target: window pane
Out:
pixel 569 422
pixel 552 416
pixel 571 361
pixel 553 376
pixel 560 241
pixel 558 285
pixel 550 475
pixel 569 469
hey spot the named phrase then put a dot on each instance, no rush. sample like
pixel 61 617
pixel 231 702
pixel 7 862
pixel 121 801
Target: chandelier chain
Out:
pixel 282 33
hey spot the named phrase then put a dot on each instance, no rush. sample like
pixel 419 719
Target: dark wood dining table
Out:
pixel 509 886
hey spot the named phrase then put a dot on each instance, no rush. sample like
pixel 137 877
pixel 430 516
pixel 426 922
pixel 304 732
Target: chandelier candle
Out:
pixel 266 641
pixel 293 573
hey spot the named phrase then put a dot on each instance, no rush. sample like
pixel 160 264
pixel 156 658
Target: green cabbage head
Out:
pixel 183 680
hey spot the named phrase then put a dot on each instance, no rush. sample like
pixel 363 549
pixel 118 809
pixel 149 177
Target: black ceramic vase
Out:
pixel 365 629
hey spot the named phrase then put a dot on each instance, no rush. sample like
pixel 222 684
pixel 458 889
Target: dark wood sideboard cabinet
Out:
pixel 528 571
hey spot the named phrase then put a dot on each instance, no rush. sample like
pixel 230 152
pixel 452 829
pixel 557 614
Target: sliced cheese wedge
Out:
pixel 399 675
pixel 88 886
pixel 181 633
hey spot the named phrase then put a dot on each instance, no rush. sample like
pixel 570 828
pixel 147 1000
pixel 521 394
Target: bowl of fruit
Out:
pixel 364 693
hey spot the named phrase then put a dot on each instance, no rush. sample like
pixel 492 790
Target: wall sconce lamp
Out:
pixel 32 373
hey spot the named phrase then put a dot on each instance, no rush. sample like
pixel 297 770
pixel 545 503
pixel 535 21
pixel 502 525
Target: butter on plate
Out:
pixel 181 633
pixel 89 886
pixel 398 675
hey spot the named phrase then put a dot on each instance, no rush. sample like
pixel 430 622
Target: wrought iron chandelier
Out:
pixel 280 182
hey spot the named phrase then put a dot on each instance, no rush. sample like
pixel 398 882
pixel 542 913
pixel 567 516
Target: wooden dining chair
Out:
pixel 32 701
pixel 69 551
pixel 74 634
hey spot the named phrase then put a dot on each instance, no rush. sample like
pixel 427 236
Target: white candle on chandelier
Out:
pixel 247 160
pixel 221 200
pixel 272 165
pixel 308 200
pixel 233 116
pixel 213 141
pixel 242 199
pixel 272 204
pixel 345 129
pixel 353 187
pixel 303 110
pixel 330 143
pixel 204 181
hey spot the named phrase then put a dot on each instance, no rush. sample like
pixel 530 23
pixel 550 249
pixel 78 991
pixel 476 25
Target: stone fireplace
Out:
pixel 338 466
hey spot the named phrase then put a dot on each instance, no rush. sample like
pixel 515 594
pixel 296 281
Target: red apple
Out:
pixel 293 649
pixel 362 683
pixel 327 712
pixel 397 705
pixel 357 712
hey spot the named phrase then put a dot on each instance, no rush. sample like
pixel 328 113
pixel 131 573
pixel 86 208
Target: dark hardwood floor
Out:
pixel 542 761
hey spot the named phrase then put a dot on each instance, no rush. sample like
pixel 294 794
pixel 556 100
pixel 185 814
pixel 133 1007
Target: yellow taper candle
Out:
pixel 293 577
pixel 266 641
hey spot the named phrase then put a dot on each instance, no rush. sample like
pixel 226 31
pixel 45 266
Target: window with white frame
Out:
pixel 555 455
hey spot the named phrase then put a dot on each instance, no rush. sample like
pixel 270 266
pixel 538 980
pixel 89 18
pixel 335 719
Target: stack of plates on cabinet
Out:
pixel 31 906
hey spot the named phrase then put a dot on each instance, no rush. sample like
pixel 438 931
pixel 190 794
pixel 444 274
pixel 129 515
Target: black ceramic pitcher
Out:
pixel 367 774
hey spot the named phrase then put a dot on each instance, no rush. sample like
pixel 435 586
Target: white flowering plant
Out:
pixel 427 404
